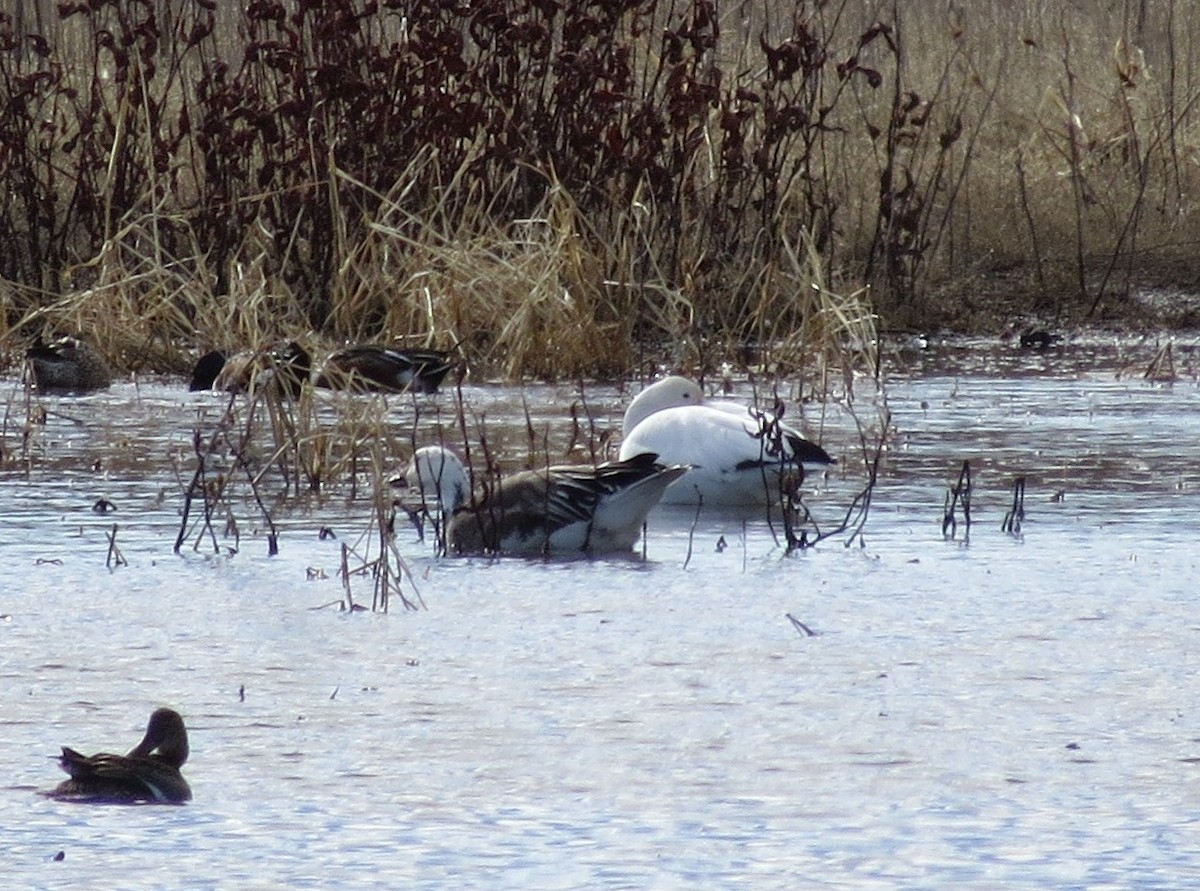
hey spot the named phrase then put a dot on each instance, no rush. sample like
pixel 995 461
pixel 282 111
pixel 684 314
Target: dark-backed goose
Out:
pixel 560 509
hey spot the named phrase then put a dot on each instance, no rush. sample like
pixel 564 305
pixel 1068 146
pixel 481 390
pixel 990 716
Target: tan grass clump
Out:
pixel 521 297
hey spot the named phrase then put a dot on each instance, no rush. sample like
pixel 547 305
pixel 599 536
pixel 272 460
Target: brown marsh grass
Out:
pixel 270 447
pixel 588 189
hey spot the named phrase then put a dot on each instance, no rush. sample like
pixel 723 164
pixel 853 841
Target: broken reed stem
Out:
pixel 115 557
pixel 960 494
pixel 1162 367
pixel 692 530
pixel 272 535
pixel 1016 514
pixel 391 568
pixel 199 483
pixel 863 502
pixel 595 441
pixel 855 517
pixel 213 497
pixel 800 626
pixel 345 571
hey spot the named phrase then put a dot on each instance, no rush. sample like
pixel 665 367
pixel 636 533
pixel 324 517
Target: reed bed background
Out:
pixel 589 189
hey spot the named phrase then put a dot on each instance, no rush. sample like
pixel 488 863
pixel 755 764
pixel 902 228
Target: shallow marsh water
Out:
pixel 1016 711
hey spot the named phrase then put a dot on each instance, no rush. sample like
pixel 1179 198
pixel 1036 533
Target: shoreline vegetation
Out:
pixel 594 189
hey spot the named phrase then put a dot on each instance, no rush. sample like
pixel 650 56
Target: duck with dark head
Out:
pixel 69 364
pixel 149 773
pixel 286 365
pixel 365 368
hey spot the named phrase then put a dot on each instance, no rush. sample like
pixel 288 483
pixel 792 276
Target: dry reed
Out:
pixel 586 189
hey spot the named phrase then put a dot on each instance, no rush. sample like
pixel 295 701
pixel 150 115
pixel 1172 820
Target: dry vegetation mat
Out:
pixel 585 188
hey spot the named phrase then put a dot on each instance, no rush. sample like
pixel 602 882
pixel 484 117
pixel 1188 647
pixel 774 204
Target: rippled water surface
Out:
pixel 1014 711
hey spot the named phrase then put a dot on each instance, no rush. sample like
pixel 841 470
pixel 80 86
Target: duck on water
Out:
pixel 148 773
pixel 68 364
pixel 362 368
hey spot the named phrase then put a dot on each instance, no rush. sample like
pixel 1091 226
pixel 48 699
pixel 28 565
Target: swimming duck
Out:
pixel 289 363
pixel 68 364
pixel 150 772
pixel 206 370
pixel 1039 339
pixel 737 454
pixel 384 369
pixel 556 510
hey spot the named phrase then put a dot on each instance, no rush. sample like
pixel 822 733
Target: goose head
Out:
pixel 670 392
pixel 436 472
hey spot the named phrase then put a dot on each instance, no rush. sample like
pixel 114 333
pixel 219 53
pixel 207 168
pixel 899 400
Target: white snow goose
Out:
pixel 738 455
pixel 563 509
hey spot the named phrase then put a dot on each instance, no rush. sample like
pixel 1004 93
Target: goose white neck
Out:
pixel 439 471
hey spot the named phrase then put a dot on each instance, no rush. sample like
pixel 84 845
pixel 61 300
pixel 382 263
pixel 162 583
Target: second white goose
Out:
pixel 737 454
pixel 563 509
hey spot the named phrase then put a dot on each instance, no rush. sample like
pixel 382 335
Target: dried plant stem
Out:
pixel 960 494
pixel 114 557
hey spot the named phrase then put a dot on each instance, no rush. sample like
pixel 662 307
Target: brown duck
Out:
pixel 150 772
pixel 68 364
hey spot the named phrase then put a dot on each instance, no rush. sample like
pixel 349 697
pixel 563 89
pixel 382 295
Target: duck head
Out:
pixel 166 739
